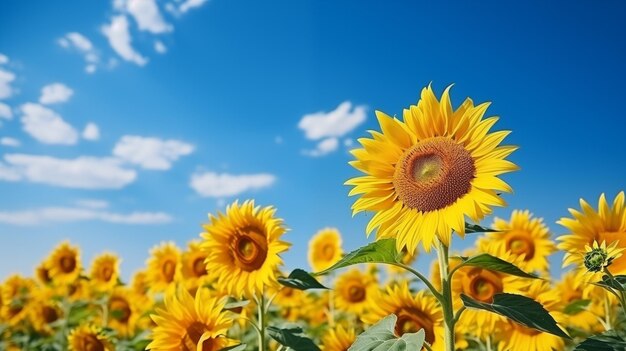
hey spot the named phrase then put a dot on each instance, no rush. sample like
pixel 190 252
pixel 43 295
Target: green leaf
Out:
pixel 381 336
pixel 576 306
pixel 475 228
pixel 233 304
pixel 493 263
pixel 608 341
pixel 240 347
pixel 520 309
pixel 301 280
pixel 618 282
pixel 381 251
pixel 288 338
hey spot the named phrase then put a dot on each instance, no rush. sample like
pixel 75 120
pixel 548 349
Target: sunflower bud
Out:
pixel 598 257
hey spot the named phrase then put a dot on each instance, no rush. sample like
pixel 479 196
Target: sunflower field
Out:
pixel 428 179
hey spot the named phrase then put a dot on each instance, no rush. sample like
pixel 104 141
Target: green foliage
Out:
pixel 475 228
pixel 381 337
pixel 608 341
pixel 617 282
pixel 496 264
pixel 290 337
pixel 576 306
pixel 381 251
pixel 233 304
pixel 240 347
pixel 520 309
pixel 301 280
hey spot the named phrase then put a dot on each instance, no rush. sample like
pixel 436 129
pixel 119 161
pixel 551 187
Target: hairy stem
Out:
pixel 446 296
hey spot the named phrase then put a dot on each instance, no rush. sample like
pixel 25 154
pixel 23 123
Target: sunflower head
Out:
pixel 123 311
pixel 64 264
pixel 598 257
pixel 339 338
pixel 104 272
pixel 355 291
pixel 44 310
pixel 190 324
pixel 88 337
pixel 325 249
pixel 162 265
pixel 242 248
pixel 43 274
pixel 16 298
pixel 424 174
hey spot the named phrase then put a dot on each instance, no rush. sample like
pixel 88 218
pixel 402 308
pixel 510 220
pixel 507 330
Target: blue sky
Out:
pixel 217 91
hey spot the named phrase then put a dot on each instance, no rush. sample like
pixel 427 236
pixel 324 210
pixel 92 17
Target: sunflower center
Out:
pixel 411 320
pixel 433 174
pixel 356 292
pixel 49 314
pixel 328 252
pixel 68 264
pixel 120 309
pixel 191 339
pixel 482 284
pixel 250 249
pixel 107 273
pixel 169 269
pixel 520 243
pixel 619 265
pixel 91 343
pixel 199 268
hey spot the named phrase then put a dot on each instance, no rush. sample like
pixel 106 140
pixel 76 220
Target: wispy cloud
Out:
pixel 6 78
pixel 184 7
pixel 151 153
pixel 81 173
pixel 147 15
pixel 324 147
pixel 12 142
pixel 160 47
pixel 91 132
pixel 55 93
pixel 80 43
pixel 47 126
pixel 118 34
pixel 92 203
pixel 4 59
pixel 5 111
pixel 71 214
pixel 210 184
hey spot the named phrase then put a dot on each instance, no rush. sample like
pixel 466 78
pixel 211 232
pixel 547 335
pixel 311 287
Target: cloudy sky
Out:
pixel 124 123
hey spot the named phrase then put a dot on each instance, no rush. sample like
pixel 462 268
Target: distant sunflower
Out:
pixel 289 297
pixel 123 311
pixel 139 283
pixel 190 324
pixel 104 272
pixel 43 274
pixel 338 338
pixel 570 289
pixel 44 310
pixel 193 268
pixel 16 297
pixel 325 249
pixel 89 338
pixel 426 173
pixel 516 337
pixel 608 225
pixel 162 265
pixel 524 237
pixel 64 264
pixel 355 291
pixel 243 247
pixel 415 311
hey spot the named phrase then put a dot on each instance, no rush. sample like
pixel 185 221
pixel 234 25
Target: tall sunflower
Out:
pixel 243 247
pixel 193 268
pixel 570 289
pixel 105 270
pixel 89 337
pixel 189 324
pixel 608 225
pixel 339 338
pixel 415 311
pixel 423 175
pixel 16 297
pixel 163 264
pixel 356 291
pixel 44 310
pixel 64 264
pixel 524 237
pixel 325 249
pixel 123 311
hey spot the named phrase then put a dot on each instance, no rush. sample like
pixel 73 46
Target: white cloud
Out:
pixel 151 153
pixel 46 125
pixel 184 7
pixel 120 40
pixel 80 43
pixel 81 173
pixel 336 123
pixel 210 184
pixel 5 111
pixel 348 142
pixel 160 47
pixel 91 203
pixel 71 214
pixel 91 132
pixel 12 142
pixel 148 16
pixel 55 93
pixel 4 59
pixel 6 90
pixel 324 147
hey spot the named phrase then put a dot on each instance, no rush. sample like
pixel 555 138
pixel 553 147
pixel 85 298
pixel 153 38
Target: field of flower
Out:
pixel 427 179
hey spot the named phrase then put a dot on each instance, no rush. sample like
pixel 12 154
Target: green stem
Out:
pixel 621 296
pixel 262 321
pixel 446 294
pixel 432 289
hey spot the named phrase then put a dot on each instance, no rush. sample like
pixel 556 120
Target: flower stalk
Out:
pixel 446 296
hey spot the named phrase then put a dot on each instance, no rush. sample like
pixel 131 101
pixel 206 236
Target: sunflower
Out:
pixel 325 249
pixel 524 237
pixel 123 311
pixel 193 268
pixel 338 338
pixel 162 265
pixel 43 274
pixel 608 225
pixel 16 297
pixel 289 297
pixel 190 324
pixel 89 338
pixel 243 247
pixel 64 264
pixel 415 311
pixel 571 288
pixel 139 283
pixel 105 272
pixel 44 310
pixel 355 291
pixel 516 337
pixel 426 173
